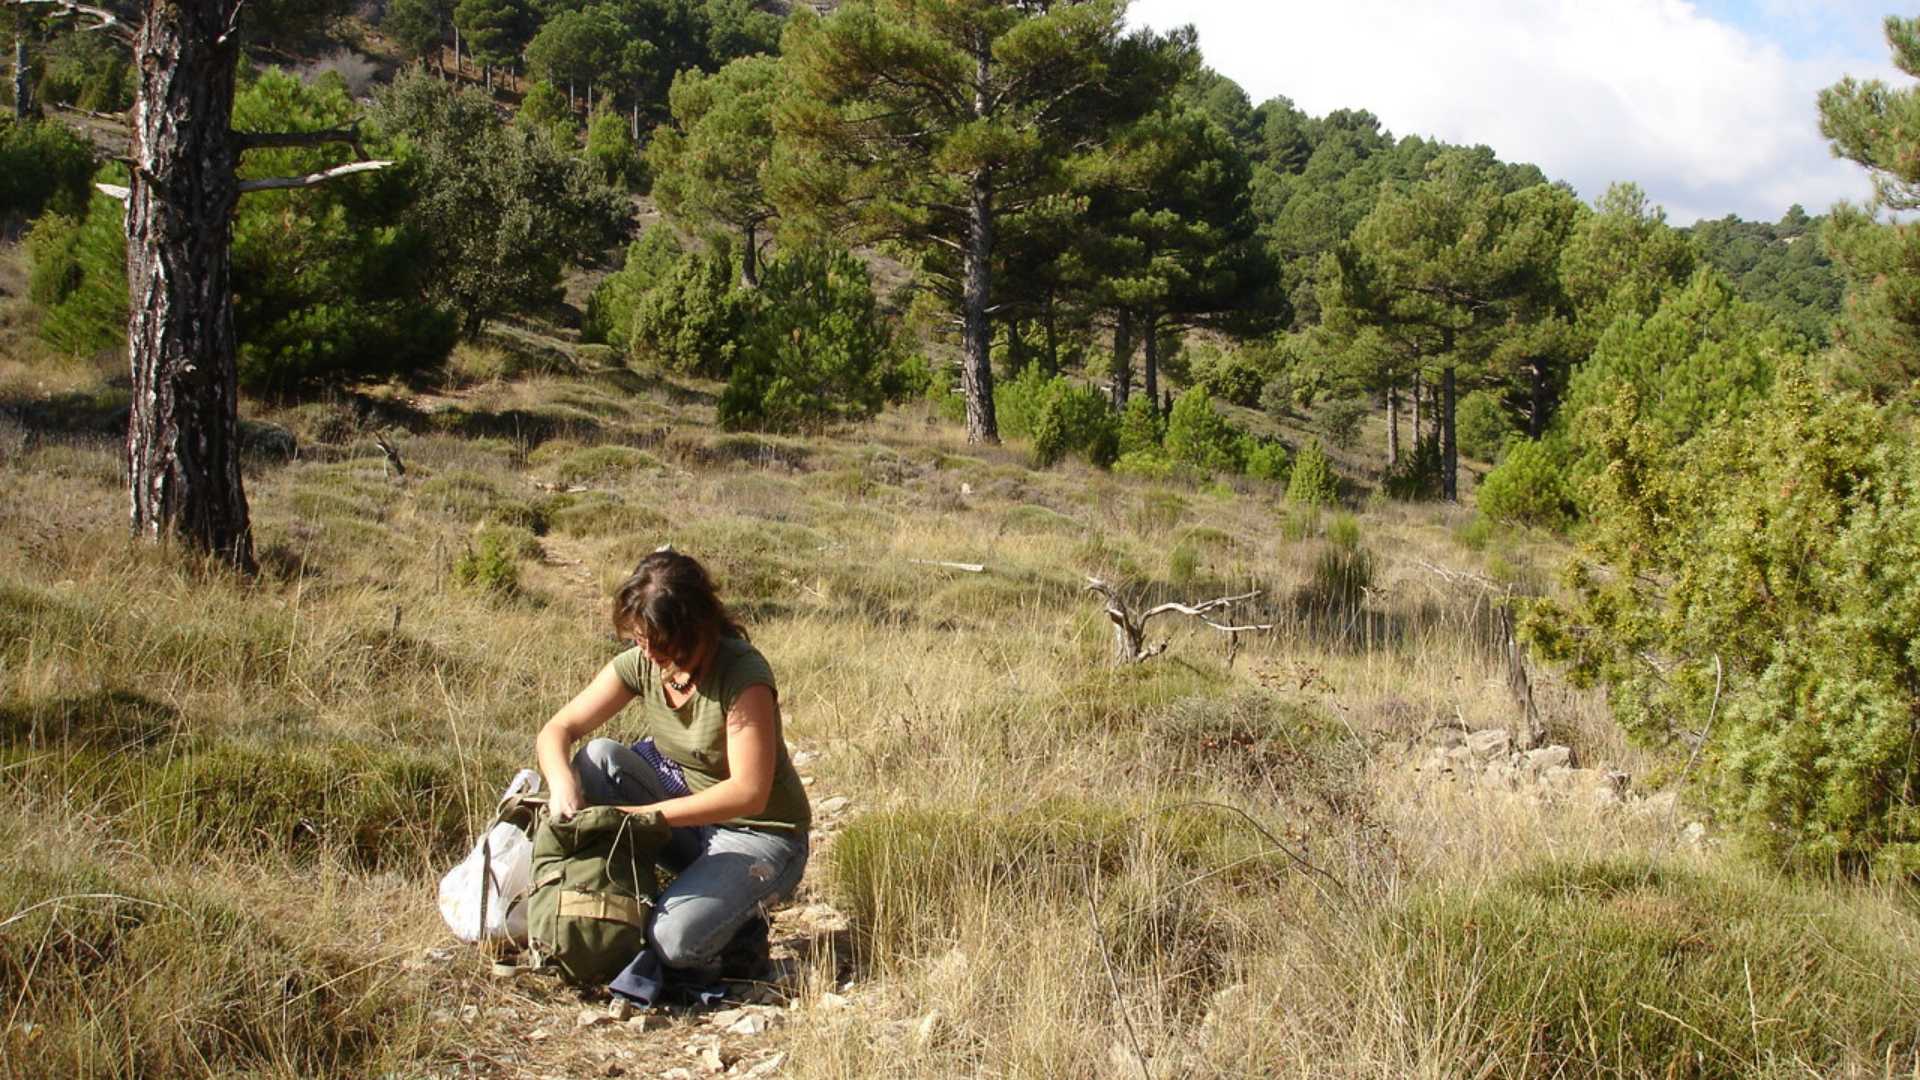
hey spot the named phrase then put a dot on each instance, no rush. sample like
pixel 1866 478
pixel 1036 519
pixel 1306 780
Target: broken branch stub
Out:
pixel 1130 628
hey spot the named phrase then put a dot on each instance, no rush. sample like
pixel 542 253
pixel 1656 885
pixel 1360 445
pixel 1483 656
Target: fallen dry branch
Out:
pixel 1130 629
pixel 276 183
pixel 109 22
pixel 968 567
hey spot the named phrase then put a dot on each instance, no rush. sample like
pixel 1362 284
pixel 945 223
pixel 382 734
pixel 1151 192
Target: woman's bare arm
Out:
pixel 553 748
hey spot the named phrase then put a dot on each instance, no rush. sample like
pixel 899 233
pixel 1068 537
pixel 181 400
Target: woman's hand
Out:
pixel 563 796
pixel 589 709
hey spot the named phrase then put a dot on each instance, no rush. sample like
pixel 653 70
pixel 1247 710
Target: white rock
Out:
pixel 716 1060
pixel 831 1000
pixel 645 1022
pixel 768 1067
pixel 538 1035
pixel 469 1013
pixel 677 1074
pixel 1492 742
pixel 748 1026
pixel 1549 757
pixel 929 1027
pixel 804 757
pixel 834 805
pixel 1694 835
pixel 591 1017
pixel 723 1017
pixel 1660 802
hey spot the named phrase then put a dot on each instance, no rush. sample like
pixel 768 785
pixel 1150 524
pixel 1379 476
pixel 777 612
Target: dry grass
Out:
pixel 1055 867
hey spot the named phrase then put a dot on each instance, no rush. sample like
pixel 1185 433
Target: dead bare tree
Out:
pixel 183 460
pixel 1130 628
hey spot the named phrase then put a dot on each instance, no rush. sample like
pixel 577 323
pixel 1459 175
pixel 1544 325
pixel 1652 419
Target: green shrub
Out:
pixel 610 308
pixel 602 463
pixel 1017 401
pixel 88 70
pixel 1144 465
pixel 1200 437
pixel 1141 427
pixel 1075 419
pixel 817 350
pixel 1759 588
pixel 1229 375
pixel 78 277
pixel 490 564
pixel 1419 473
pixel 1312 482
pixel 1629 967
pixel 695 318
pixel 611 149
pixel 1530 487
pixel 1343 571
pixel 1475 533
pixel 1341 419
pixel 1483 425
pixel 328 281
pixel 44 168
pixel 1267 460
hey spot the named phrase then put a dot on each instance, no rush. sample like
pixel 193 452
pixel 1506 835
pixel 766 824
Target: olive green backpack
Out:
pixel 593 888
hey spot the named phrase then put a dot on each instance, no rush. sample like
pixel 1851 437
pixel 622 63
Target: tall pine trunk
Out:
pixel 1449 452
pixel 22 104
pixel 1419 381
pixel 749 258
pixel 183 459
pixel 1121 367
pixel 1150 366
pixel 976 373
pixel 1393 425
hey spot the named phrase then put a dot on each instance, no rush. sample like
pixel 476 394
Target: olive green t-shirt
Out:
pixel 694 736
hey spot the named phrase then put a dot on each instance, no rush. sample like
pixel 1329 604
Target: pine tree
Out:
pixel 711 166
pixel 922 123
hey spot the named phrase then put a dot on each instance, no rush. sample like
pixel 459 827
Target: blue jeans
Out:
pixel 725 873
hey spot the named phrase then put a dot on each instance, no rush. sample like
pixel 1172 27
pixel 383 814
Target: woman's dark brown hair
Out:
pixel 669 600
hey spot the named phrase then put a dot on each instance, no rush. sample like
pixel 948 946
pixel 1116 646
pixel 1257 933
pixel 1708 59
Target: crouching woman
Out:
pixel 713 763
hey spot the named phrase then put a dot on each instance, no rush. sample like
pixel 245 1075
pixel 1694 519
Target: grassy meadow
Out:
pixel 227 802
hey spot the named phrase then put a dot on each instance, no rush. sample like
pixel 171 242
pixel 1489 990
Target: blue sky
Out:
pixel 1708 105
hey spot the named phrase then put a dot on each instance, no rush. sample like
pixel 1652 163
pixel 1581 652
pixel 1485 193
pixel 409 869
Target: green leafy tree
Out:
pixel 503 208
pixel 1075 419
pixel 1175 236
pixel 1199 436
pixel 923 122
pixel 576 49
pixel 43 166
pixel 544 107
pixel 694 319
pixel 1703 355
pixel 419 27
pixel 1312 481
pixel 1622 260
pixel 78 278
pixel 1782 266
pixel 609 315
pixel 711 166
pixel 817 350
pixel 1141 427
pixel 611 150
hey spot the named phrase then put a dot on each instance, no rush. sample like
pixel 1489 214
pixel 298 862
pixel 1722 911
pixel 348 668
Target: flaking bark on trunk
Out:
pixel 22 101
pixel 976 374
pixel 183 429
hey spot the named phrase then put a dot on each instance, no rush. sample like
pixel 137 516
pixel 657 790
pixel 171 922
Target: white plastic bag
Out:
pixel 493 879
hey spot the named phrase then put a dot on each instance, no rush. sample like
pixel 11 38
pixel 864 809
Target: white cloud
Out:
pixel 1706 116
